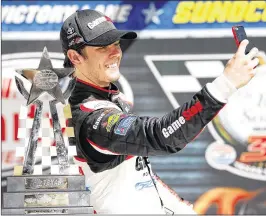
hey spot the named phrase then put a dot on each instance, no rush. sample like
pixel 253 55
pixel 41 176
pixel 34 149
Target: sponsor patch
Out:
pixel 97 104
pixel 96 22
pixel 75 41
pixel 111 121
pixel 95 126
pixel 70 30
pixel 142 185
pixel 124 125
pixel 72 35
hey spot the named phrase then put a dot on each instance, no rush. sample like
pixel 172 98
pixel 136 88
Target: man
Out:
pixel 115 143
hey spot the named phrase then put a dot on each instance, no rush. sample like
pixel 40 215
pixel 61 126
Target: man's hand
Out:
pixel 240 68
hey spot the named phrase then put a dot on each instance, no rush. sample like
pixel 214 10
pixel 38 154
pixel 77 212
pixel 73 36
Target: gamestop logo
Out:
pixel 173 127
pixel 195 109
pixel 96 22
pixel 187 115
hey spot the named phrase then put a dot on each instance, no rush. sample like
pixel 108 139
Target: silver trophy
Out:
pixel 63 191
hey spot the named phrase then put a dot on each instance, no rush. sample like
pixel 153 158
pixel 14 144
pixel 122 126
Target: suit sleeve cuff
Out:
pixel 221 88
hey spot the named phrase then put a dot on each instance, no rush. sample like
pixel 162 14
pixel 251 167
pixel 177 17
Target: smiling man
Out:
pixel 113 143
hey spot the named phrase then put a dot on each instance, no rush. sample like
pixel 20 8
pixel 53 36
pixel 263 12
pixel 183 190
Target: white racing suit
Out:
pixel 125 190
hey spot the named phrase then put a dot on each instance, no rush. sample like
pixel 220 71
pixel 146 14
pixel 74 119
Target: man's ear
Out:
pixel 75 57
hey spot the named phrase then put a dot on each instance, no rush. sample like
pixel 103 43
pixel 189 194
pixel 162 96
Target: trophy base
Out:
pixel 46 199
pixel 45 183
pixel 46 195
pixel 49 211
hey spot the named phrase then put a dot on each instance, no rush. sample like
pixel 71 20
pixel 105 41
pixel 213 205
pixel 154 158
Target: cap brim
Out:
pixel 111 36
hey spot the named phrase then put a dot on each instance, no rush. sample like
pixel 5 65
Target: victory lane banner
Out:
pixel 31 16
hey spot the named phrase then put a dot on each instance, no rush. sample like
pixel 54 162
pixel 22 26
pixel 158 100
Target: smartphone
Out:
pixel 240 35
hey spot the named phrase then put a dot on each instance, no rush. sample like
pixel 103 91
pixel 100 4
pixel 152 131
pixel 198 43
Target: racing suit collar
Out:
pixel 88 88
pixel 112 89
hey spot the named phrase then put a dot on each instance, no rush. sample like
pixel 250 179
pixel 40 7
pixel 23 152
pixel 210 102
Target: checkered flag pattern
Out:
pixel 46 156
pixel 181 76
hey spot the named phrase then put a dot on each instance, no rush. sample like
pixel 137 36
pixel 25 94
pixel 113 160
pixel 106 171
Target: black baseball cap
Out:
pixel 92 28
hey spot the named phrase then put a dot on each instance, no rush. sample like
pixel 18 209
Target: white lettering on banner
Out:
pixel 19 15
pixel 124 12
pixel 32 13
pixel 100 8
pixel 68 10
pixel 173 127
pixel 42 14
pixel 117 13
pixel 5 11
pixel 9 16
pixel 56 16
pixel 112 11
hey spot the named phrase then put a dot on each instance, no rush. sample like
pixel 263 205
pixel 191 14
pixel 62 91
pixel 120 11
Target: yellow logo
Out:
pixel 220 12
pixel 111 121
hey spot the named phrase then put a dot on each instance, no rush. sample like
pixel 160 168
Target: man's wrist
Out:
pixel 221 88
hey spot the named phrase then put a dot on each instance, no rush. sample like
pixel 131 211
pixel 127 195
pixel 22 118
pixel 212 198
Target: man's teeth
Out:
pixel 112 65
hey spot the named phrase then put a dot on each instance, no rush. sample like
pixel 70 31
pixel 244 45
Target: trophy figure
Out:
pixel 63 190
